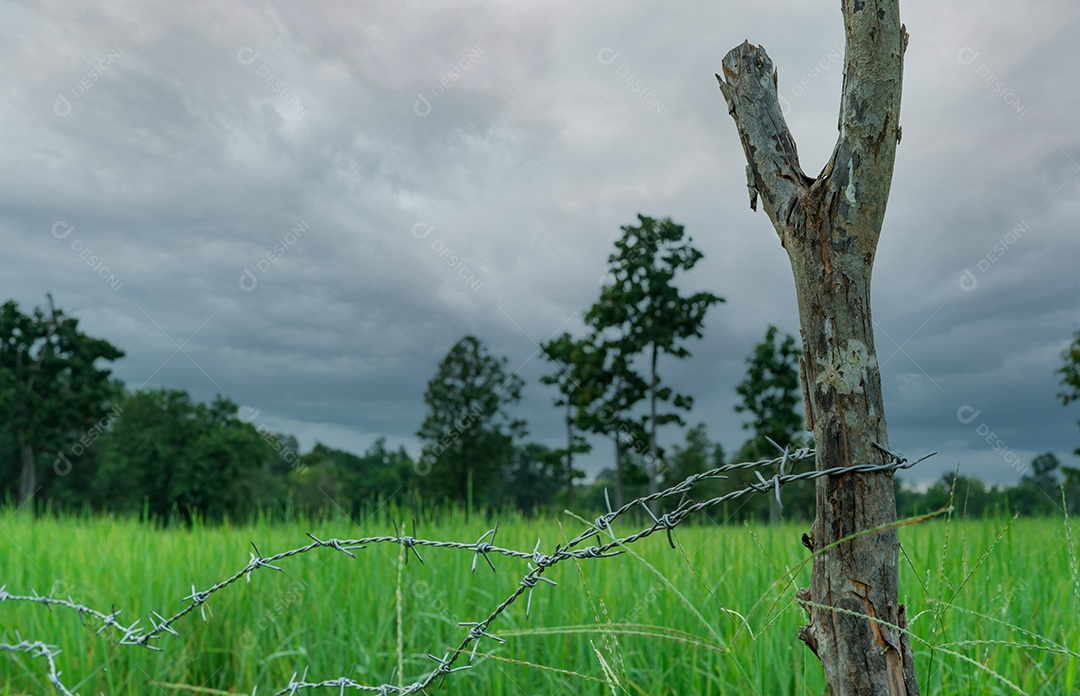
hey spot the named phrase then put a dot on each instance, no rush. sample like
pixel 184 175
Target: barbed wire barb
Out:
pixel 257 561
pixel 482 548
pixel 409 542
pixel 478 631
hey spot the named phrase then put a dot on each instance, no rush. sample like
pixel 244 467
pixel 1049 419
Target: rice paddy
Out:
pixel 993 607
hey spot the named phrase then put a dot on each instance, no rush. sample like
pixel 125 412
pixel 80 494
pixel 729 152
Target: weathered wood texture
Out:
pixel 830 226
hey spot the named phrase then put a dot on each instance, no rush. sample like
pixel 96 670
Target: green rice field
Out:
pixel 993 605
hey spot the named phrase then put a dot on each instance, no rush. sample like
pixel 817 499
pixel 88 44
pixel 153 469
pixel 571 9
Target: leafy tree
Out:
pixel 698 454
pixel 635 481
pixel 288 452
pixel 167 455
pixel 332 478
pixel 382 473
pixel 610 390
pixel 468 434
pixel 534 477
pixel 969 494
pixel 566 355
pixel 51 390
pixel 642 312
pixel 1072 488
pixel 1070 376
pixel 1043 472
pixel 771 393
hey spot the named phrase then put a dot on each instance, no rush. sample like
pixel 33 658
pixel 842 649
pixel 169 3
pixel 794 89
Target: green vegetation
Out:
pixel 50 386
pixel 566 355
pixel 468 434
pixel 73 440
pixel 714 616
pixel 640 312
pixel 771 394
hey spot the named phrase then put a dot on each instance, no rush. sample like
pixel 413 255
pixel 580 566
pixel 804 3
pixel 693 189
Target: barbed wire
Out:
pixel 537 563
pixel 37 648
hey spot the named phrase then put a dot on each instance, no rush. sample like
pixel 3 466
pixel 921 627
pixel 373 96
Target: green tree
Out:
pixel 968 493
pixel 468 434
pixel 771 393
pixel 698 454
pixel 641 311
pixel 610 390
pixel 1070 376
pixel 1072 488
pixel 1043 473
pixel 534 477
pixel 566 355
pixel 165 454
pixel 332 478
pixel 51 389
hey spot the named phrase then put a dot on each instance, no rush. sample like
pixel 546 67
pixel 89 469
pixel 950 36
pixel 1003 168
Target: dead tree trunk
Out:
pixel 830 227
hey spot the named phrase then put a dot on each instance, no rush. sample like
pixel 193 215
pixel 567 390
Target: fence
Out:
pixel 537 562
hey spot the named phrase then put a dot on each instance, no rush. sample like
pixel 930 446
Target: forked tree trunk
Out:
pixel 830 227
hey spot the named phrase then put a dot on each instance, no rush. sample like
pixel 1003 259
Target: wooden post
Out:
pixel 830 226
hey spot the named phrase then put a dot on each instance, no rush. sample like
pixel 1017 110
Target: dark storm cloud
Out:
pixel 305 205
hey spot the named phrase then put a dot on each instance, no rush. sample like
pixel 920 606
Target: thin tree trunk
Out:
pixel 830 227
pixel 618 471
pixel 28 475
pixel 569 454
pixel 653 463
pixel 774 512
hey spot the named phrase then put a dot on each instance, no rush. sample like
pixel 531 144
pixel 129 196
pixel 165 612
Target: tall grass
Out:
pixel 993 605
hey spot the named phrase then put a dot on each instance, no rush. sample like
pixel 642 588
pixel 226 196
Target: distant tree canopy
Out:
pixel 771 394
pixel 1070 376
pixel 570 359
pixel 696 455
pixel 468 435
pixel 162 454
pixel 52 391
pixel 610 390
pixel 328 477
pixel 641 312
pixel 170 455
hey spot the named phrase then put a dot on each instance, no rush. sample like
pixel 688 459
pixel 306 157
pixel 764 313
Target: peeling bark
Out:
pixel 830 226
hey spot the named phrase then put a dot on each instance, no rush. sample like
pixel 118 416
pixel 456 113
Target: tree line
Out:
pixel 73 437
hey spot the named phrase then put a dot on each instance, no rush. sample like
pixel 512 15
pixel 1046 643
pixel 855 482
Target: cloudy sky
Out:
pixel 305 205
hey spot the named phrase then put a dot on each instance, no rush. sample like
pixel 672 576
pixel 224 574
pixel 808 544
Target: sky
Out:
pixel 303 206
